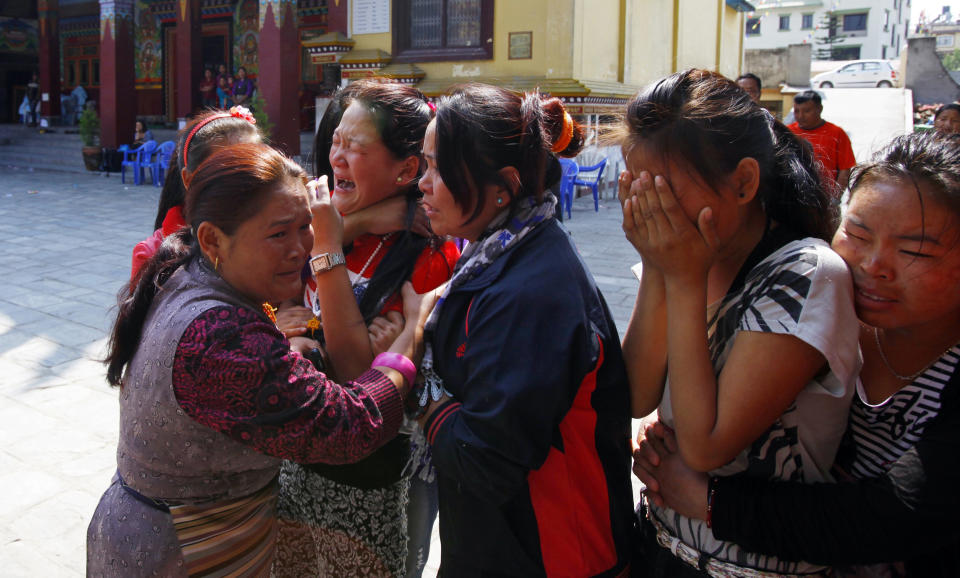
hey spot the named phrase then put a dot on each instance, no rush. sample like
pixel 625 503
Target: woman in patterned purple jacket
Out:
pixel 212 398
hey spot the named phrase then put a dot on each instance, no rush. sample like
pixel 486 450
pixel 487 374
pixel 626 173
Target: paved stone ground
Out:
pixel 66 251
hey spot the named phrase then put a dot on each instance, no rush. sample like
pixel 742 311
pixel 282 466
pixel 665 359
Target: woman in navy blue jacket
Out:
pixel 527 403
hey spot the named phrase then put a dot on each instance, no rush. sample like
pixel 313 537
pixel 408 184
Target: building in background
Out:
pixel 861 28
pixel 145 58
pixel 945 27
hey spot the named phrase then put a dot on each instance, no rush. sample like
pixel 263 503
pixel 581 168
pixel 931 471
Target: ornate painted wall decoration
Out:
pixel 20 36
pixel 148 46
pixel 279 8
pixel 113 13
pixel 246 35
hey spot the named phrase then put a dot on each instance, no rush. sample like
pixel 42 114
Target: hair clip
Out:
pixel 242 112
pixel 433 107
pixel 566 136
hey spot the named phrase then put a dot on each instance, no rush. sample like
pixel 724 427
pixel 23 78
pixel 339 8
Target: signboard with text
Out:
pixel 371 16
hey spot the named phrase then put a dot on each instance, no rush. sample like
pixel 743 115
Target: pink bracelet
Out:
pixel 398 362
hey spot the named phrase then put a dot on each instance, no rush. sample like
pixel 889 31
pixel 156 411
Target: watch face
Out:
pixel 326 261
pixel 320 263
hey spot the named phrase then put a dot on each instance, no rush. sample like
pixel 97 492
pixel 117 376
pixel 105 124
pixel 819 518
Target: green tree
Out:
pixel 259 107
pixel 951 61
pixel 829 37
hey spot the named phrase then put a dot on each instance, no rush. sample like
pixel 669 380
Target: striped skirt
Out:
pixel 229 538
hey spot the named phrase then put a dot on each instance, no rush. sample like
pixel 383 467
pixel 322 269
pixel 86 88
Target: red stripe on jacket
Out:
pixel 570 497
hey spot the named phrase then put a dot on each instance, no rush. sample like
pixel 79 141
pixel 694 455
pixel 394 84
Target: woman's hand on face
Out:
pixel 384 330
pixel 292 319
pixel 663 234
pixel 327 222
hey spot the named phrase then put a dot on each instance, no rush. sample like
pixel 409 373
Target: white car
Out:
pixel 859 73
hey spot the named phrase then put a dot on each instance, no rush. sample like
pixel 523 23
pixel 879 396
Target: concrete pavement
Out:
pixel 66 242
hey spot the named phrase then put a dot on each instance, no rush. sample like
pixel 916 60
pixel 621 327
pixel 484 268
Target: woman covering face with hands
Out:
pixel 743 335
pixel 898 465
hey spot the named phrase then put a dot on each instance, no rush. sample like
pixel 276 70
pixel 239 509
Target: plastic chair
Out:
pixel 137 159
pixel 570 170
pixel 592 182
pixel 159 166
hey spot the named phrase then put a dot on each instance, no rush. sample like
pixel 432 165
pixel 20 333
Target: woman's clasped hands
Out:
pixel 669 481
pixel 656 224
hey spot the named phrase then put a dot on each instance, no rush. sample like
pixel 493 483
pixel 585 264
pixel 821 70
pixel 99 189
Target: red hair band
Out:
pixel 236 112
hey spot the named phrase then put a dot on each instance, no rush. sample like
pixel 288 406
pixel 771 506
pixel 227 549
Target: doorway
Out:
pixel 215 43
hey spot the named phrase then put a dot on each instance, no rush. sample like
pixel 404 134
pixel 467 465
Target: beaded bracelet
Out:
pixel 398 362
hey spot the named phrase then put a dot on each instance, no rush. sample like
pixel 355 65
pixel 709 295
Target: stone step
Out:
pixel 59 150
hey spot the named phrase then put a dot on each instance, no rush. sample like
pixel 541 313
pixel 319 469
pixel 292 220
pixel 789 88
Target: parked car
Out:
pixel 859 73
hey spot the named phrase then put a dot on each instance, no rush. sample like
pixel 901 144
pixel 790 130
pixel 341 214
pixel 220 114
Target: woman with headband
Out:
pixel 208 132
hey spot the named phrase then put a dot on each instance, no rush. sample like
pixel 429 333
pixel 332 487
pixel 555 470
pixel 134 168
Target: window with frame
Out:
pixel 753 26
pixel 437 30
pixel 807 22
pixel 81 64
pixel 784 22
pixel 846 53
pixel 855 22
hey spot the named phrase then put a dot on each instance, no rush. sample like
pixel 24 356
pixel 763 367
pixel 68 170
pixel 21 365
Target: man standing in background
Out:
pixel 831 145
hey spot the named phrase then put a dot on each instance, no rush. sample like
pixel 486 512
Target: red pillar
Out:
pixel 118 100
pixel 49 59
pixel 188 57
pixel 278 63
pixel 337 16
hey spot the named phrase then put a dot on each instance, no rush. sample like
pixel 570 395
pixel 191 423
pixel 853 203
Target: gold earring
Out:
pixel 216 264
pixel 399 180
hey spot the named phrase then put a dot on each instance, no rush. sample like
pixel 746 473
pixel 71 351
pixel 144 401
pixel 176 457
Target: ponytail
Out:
pixel 134 300
pixel 482 129
pixel 794 194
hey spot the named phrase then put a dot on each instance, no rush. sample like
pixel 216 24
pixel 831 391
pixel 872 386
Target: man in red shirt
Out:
pixel 831 145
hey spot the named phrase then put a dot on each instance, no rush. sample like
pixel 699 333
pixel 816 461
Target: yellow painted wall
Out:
pixel 698 34
pixel 552 23
pixel 581 39
pixel 649 40
pixel 731 50
pixel 596 36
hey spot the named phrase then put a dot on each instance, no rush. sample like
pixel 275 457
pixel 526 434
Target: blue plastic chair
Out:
pixel 592 182
pixel 159 166
pixel 570 170
pixel 137 159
